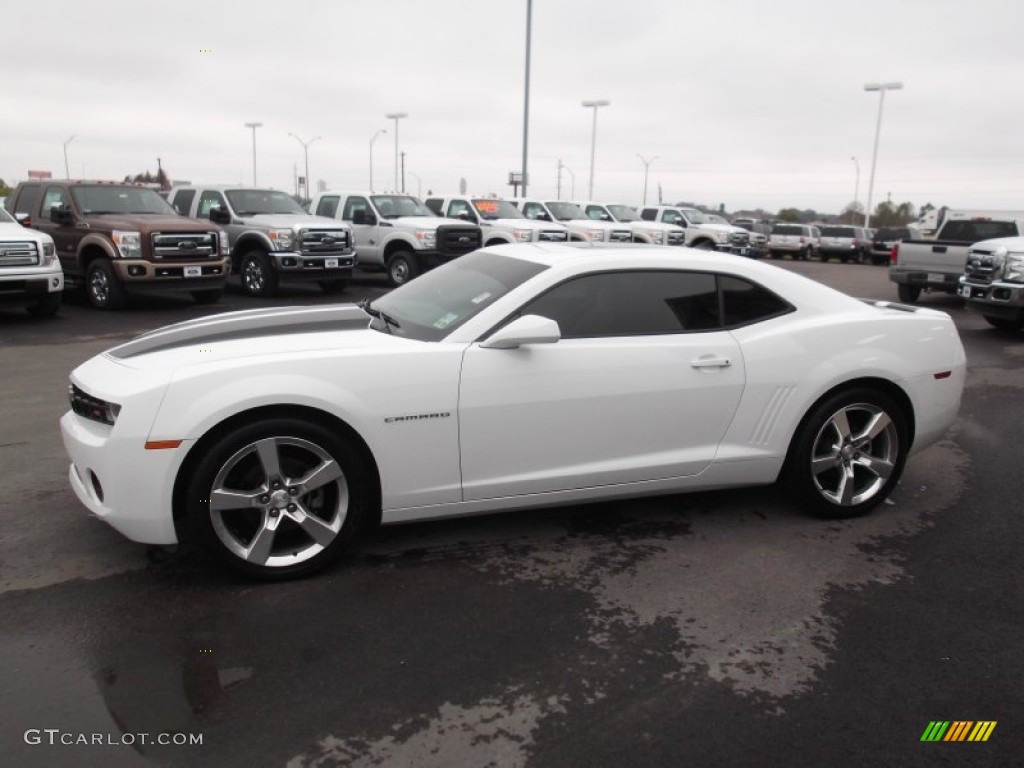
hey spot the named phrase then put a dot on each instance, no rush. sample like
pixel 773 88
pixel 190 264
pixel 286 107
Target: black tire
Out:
pixel 402 267
pixel 1003 324
pixel 46 306
pixel 908 294
pixel 705 245
pixel 281 509
pixel 102 287
pixel 257 274
pixel 211 296
pixel 333 286
pixel 804 255
pixel 774 254
pixel 821 457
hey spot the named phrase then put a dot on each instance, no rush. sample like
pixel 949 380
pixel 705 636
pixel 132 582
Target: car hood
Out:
pixel 148 222
pixel 523 224
pixel 594 224
pixel 729 228
pixel 18 232
pixel 293 221
pixel 656 226
pixel 1012 244
pixel 270 332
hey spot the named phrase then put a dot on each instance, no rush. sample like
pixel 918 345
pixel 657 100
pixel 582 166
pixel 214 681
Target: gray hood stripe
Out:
pixel 249 324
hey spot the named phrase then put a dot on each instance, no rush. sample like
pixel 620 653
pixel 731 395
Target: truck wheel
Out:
pixel 908 293
pixel 105 291
pixel 257 274
pixel 333 286
pixel 402 268
pixel 45 307
pixel 804 255
pixel 1003 324
pixel 704 245
pixel 207 297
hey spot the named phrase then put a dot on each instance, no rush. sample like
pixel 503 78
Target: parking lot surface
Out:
pixel 716 629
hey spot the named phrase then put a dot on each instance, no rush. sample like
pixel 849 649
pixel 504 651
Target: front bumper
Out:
pixel 300 266
pixel 169 274
pixel 995 299
pixel 937 281
pixel 20 287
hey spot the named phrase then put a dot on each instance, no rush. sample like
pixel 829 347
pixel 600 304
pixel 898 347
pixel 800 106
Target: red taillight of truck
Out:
pixel 894 254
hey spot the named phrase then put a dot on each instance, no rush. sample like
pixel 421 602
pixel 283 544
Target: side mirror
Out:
pixel 543 216
pixel 528 329
pixel 60 214
pixel 24 219
pixel 363 216
pixel 463 215
pixel 219 215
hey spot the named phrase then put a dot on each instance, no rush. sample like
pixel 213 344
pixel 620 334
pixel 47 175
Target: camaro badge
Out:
pixel 417 417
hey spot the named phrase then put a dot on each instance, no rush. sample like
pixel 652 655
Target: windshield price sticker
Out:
pixel 486 206
pixel 482 297
pixel 445 320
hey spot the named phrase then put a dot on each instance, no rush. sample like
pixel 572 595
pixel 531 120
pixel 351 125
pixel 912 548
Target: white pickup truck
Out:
pixel 500 221
pixel 653 232
pixel 397 233
pixel 581 227
pixel 993 282
pixel 700 233
pixel 937 265
pixel 30 273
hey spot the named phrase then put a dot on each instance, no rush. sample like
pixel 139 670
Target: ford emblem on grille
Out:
pixel 464 239
pixel 186 245
pixel 327 240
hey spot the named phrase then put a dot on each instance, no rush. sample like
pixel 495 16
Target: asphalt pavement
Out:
pixel 715 629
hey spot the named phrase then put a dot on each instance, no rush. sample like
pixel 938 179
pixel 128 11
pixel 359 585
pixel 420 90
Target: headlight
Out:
pixel 721 236
pixel 658 237
pixel 523 235
pixel 428 237
pixel 225 244
pixel 49 254
pixel 597 235
pixel 129 244
pixel 281 239
pixel 92 408
pixel 1014 271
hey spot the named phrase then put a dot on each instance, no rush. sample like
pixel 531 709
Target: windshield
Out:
pixel 837 232
pixel 393 206
pixel 694 216
pixel 436 303
pixel 565 211
pixel 97 199
pixel 623 213
pixel 253 202
pixel 788 229
pixel 490 210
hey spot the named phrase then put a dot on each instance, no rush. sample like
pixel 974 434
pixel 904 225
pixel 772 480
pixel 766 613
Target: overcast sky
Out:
pixel 744 102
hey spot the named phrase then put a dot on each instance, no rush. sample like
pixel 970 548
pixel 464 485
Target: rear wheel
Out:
pixel 278 499
pixel 705 245
pixel 333 286
pixel 1003 324
pixel 848 453
pixel 103 288
pixel 257 274
pixel 908 293
pixel 211 296
pixel 402 268
pixel 46 306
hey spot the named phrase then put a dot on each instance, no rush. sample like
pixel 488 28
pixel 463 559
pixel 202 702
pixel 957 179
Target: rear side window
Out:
pixel 54 196
pixel 788 229
pixel 974 231
pixel 27 199
pixel 183 200
pixel 649 214
pixel 838 232
pixel 744 302
pixel 435 204
pixel 328 206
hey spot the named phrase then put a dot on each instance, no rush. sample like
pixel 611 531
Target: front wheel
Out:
pixel 705 245
pixel 1003 324
pixel 402 268
pixel 908 294
pixel 279 498
pixel 848 454
pixel 46 306
pixel 105 291
pixel 257 275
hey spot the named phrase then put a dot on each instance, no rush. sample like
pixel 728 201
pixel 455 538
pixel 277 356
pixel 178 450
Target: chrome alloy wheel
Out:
pixel 99 287
pixel 278 501
pixel 854 453
pixel 253 278
pixel 400 272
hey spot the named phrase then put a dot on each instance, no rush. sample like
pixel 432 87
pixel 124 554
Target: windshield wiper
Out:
pixel 389 322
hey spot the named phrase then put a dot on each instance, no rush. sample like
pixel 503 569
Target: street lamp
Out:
pixel 396 116
pixel 881 88
pixel 419 184
pixel 593 140
pixel 647 166
pixel 373 139
pixel 572 176
pixel 856 187
pixel 254 126
pixel 526 93
pixel 305 150
pixel 67 173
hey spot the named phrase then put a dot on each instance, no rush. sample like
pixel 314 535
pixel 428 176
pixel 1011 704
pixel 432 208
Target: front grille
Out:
pixel 553 236
pixel 676 238
pixel 18 254
pixel 184 246
pixel 739 239
pixel 620 236
pixel 982 266
pixel 455 239
pixel 325 241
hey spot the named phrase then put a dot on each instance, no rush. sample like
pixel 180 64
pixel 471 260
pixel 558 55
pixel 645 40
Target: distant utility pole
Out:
pixel 526 93
pixel 647 167
pixel 558 191
pixel 403 173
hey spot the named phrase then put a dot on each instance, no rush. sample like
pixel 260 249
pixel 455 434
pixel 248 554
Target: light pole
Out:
pixel 526 92
pixel 881 88
pixel 373 139
pixel 856 186
pixel 572 176
pixel 396 116
pixel 305 150
pixel 593 140
pixel 647 167
pixel 419 184
pixel 67 173
pixel 254 126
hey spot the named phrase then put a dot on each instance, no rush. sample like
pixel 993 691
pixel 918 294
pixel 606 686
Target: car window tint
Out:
pixel 457 207
pixel 744 302
pixel 328 206
pixel 973 231
pixel 208 200
pixel 352 205
pixel 26 200
pixel 435 204
pixel 183 200
pixel 630 304
pixel 54 196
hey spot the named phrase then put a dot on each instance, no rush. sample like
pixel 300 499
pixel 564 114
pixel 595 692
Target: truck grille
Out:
pixel 324 241
pixel 18 254
pixel 739 239
pixel 552 236
pixel 458 239
pixel 620 236
pixel 676 238
pixel 982 266
pixel 184 246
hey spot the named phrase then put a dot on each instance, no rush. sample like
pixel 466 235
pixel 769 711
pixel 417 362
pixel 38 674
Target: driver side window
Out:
pixel 458 207
pixel 54 196
pixel 354 204
pixel 207 201
pixel 533 211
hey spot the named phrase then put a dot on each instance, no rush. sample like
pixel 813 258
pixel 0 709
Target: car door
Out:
pixel 65 236
pixel 642 386
pixel 366 233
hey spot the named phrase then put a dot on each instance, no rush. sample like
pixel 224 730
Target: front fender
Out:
pixel 95 239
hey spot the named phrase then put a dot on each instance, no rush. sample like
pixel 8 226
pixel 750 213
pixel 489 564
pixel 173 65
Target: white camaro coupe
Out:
pixel 516 376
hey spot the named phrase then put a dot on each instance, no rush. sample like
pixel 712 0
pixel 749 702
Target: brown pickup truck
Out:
pixel 114 238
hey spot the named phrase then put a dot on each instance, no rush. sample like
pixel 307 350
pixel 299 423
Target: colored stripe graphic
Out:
pixel 958 730
pixel 982 730
pixel 935 730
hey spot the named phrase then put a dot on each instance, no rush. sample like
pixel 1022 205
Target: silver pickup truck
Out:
pixel 30 273
pixel 993 282
pixel 937 265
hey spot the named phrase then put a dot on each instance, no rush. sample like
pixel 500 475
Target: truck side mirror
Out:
pixel 464 216
pixel 60 214
pixel 24 219
pixel 363 216
pixel 219 215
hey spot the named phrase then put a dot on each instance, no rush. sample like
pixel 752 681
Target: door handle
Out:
pixel 711 362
